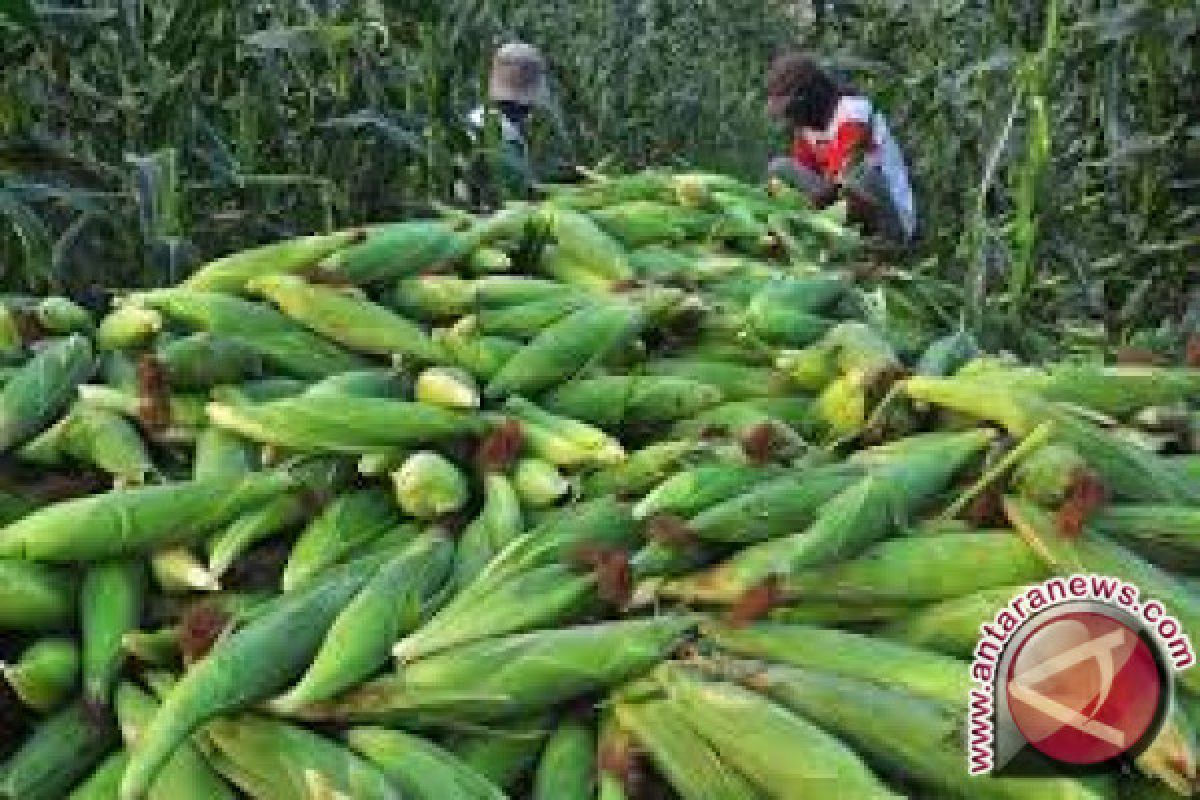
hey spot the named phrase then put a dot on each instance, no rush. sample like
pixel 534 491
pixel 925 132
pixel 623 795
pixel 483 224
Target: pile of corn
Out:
pixel 620 495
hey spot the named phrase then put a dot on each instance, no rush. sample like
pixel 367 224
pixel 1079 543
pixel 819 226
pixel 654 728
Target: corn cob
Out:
pixel 231 273
pixel 448 387
pixel 914 736
pixel 45 674
pixel 63 749
pixel 282 343
pixel 538 483
pixel 40 389
pixel 691 766
pixel 923 569
pixel 187 776
pixel 614 400
pixel 567 770
pixel 498 523
pixel 583 242
pixel 177 569
pixel 478 354
pixel 891 665
pixel 735 381
pixel 505 676
pixel 783 754
pixel 526 320
pixel 59 316
pixel 398 250
pixel 136 520
pixel 97 437
pixel 687 493
pixel 638 223
pixel 434 297
pixel 390 605
pixel 202 360
pixel 488 260
pixel 428 486
pixel 423 770
pixel 561 441
pixel 271 760
pixel 563 349
pixel 641 471
pixel 128 326
pixel 110 605
pixel 342 424
pixel 34 597
pixel 353 322
pixel 952 626
pixel 348 522
pixel 903 478
pixel 268 653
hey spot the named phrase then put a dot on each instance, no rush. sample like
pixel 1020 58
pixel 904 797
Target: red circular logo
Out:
pixel 1084 688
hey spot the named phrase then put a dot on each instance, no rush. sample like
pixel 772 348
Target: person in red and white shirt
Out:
pixel 842 147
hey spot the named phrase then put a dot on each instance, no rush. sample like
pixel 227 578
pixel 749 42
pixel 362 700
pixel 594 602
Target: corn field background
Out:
pixel 1055 146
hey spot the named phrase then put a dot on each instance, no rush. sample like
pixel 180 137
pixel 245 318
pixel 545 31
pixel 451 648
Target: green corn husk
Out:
pixel 347 523
pixel 127 327
pixel 111 598
pixel 562 441
pixel 283 344
pixel 783 754
pixel 45 674
pixel 62 749
pixel 398 250
pixel 687 761
pixel 369 383
pixel 159 648
pixel 105 781
pixel 267 653
pixel 481 355
pixel 638 223
pixel 35 597
pixel 641 471
pixel 538 483
pixel 561 350
pixel 177 569
pixel 185 412
pixel 203 360
pixel 501 291
pixel 423 770
pixel 231 273
pixel 687 493
pixel 39 390
pixel 60 316
pixel 186 776
pixel 526 320
pixel 221 452
pixel 128 521
pixel 271 760
pixel 567 770
pixel 353 322
pixel 536 598
pixel 254 525
pixel 96 437
pixel 889 664
pixel 428 486
pixel 435 297
pixel 918 738
pixel 1166 528
pixel 389 606
pixel 923 569
pixel 952 626
pixel 502 756
pixel 259 391
pixel 735 381
pixel 498 523
pixel 488 260
pixel 584 243
pixel 448 387
pixel 343 424
pixel 902 478
pixel 506 676
pixel 1047 474
pixel 947 355
pixel 612 400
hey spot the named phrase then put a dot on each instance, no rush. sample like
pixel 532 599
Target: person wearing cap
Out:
pixel 516 87
pixel 841 147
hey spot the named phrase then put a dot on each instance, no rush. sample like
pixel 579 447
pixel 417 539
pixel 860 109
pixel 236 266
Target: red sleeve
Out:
pixel 804 155
pixel 849 138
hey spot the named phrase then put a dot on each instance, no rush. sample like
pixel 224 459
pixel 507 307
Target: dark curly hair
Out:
pixel 812 90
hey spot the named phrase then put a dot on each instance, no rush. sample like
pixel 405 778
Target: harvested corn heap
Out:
pixel 627 494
